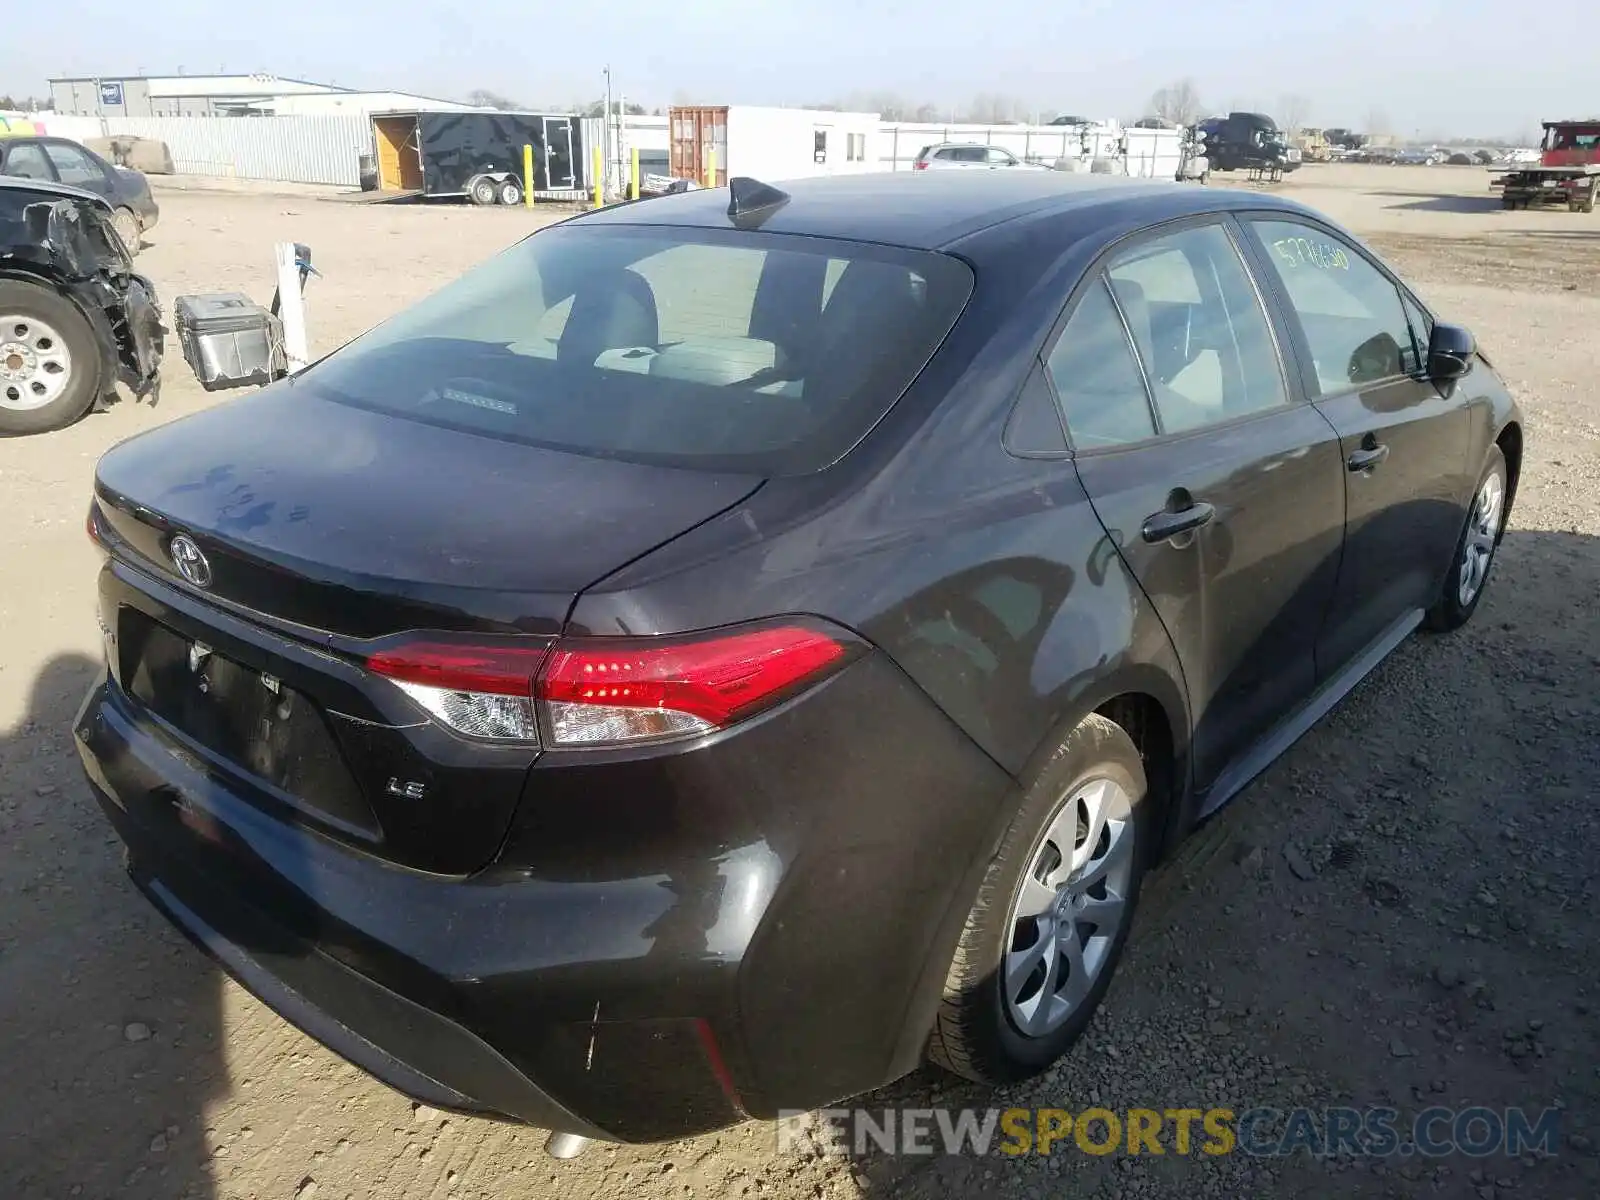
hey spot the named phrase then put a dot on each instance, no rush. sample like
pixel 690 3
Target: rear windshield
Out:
pixel 717 349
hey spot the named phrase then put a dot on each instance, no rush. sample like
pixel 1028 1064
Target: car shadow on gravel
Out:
pixel 1442 204
pixel 111 1038
pixel 1398 913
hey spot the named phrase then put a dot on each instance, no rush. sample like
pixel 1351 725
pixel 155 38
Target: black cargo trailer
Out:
pixel 477 154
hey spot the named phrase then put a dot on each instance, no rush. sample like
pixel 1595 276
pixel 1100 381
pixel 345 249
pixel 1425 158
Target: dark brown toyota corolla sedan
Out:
pixel 731 647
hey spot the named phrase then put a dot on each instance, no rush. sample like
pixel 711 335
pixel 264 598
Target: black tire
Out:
pixel 509 193
pixel 483 190
pixel 128 229
pixel 974 1034
pixel 39 303
pixel 1449 611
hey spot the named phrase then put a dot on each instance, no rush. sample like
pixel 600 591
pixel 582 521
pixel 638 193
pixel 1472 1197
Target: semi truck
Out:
pixel 1568 171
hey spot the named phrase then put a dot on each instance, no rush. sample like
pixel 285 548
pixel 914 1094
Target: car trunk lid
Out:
pixel 359 524
pixel 323 530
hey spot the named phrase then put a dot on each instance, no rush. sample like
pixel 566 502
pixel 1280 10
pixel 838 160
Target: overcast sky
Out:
pixel 1464 67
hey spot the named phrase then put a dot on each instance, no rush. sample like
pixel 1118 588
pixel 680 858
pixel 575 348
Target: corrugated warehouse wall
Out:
pixel 324 149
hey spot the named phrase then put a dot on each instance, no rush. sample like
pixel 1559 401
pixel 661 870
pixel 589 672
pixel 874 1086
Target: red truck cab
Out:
pixel 1571 143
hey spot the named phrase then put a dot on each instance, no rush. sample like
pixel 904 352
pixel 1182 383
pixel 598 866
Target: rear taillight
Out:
pixel 481 691
pixel 920 164
pixel 614 691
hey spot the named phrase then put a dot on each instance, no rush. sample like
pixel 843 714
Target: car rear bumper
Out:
pixel 611 975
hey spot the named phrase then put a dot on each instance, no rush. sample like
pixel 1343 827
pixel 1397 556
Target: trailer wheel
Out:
pixel 483 190
pixel 510 192
pixel 1587 204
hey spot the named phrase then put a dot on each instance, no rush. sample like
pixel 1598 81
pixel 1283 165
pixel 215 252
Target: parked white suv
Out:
pixel 969 156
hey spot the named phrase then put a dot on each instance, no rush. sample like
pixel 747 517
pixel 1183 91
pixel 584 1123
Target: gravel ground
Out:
pixel 1399 913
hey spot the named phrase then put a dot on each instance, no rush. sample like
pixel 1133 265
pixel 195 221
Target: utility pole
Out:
pixel 606 130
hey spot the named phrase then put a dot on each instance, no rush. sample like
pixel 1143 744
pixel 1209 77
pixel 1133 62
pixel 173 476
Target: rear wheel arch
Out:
pixel 1148 705
pixel 1144 719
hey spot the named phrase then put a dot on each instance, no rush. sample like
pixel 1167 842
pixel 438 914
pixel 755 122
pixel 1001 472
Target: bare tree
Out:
pixel 1178 102
pixel 1293 110
pixel 484 98
pixel 597 108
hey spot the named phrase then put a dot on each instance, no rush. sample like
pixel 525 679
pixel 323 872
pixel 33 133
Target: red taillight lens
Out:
pixel 611 691
pixel 920 164
pixel 599 690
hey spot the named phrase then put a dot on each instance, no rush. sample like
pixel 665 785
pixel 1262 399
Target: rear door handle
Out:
pixel 1367 458
pixel 1158 527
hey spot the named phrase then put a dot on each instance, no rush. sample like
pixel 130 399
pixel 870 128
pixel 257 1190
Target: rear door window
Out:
pixel 27 161
pixel 1094 372
pixel 75 167
pixel 1199 327
pixel 699 348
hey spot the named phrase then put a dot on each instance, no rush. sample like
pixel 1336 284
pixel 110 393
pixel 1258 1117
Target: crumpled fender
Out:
pixel 72 247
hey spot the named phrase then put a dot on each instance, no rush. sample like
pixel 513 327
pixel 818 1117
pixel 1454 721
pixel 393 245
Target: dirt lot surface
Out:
pixel 1401 912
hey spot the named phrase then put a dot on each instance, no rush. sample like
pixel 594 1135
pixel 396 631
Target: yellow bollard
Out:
pixel 711 167
pixel 527 176
pixel 599 179
pixel 633 175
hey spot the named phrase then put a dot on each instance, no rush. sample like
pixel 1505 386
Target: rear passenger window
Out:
pixel 1349 310
pixel 1094 372
pixel 1198 324
pixel 27 161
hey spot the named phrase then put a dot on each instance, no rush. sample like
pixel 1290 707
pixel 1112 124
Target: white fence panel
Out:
pixel 1044 144
pixel 321 149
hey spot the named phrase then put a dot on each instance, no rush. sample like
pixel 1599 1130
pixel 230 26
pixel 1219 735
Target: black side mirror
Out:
pixel 1451 350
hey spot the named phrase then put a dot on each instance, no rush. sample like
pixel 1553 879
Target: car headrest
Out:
pixel 613 310
pixel 869 296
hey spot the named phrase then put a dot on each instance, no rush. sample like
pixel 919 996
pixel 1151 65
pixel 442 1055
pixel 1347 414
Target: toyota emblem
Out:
pixel 190 561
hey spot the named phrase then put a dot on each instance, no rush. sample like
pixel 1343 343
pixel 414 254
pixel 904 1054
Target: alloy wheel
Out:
pixel 1069 908
pixel 1483 528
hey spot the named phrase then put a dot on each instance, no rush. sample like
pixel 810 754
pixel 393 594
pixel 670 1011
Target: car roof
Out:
pixel 17 183
pixel 931 210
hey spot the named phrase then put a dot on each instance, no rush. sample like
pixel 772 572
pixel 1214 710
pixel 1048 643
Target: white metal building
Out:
pixel 175 95
pixel 326 104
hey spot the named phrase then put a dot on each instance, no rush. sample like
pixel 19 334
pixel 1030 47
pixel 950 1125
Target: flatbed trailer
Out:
pixel 1568 171
pixel 1576 185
